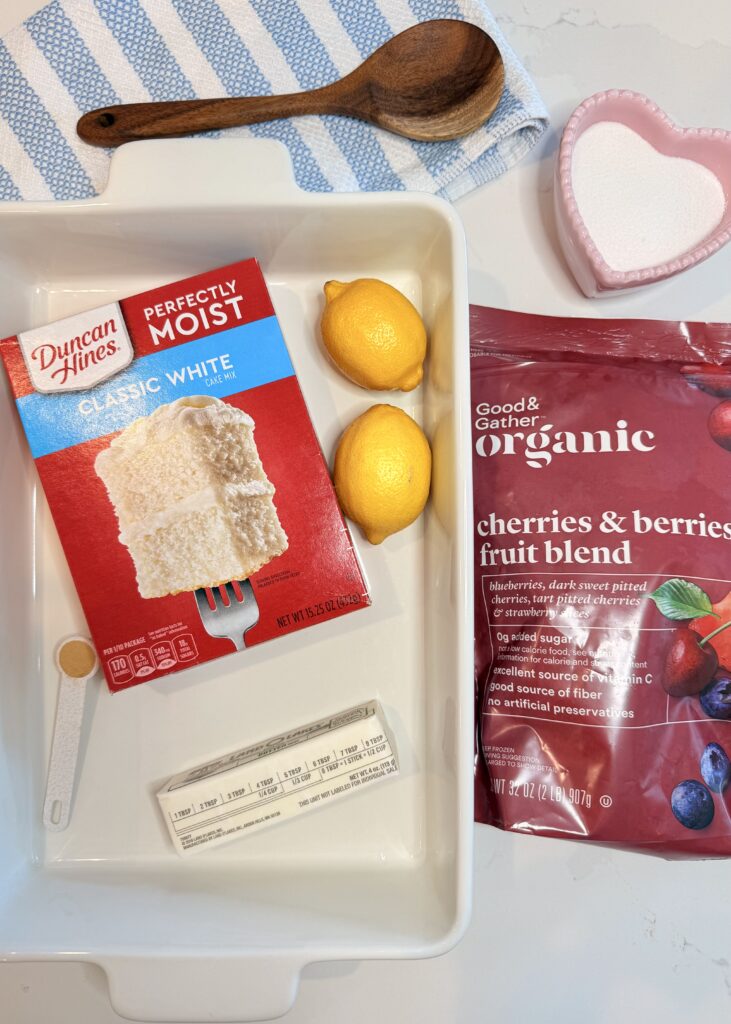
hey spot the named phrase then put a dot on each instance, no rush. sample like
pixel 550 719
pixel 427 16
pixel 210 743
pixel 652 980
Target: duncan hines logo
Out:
pixel 76 353
pixel 540 443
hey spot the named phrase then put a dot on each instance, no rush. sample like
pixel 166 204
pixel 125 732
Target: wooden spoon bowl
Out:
pixel 435 81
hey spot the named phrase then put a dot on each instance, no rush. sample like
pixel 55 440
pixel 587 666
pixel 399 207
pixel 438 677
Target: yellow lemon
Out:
pixel 382 471
pixel 373 334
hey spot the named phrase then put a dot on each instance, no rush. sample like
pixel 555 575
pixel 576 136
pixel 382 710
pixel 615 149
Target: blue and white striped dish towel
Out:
pixel 76 55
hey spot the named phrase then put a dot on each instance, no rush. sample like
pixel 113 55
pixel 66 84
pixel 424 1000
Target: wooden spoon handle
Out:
pixel 128 122
pixel 64 753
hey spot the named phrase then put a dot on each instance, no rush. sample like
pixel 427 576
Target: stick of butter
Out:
pixel 278 778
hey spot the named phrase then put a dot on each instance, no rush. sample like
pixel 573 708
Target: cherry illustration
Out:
pixel 705 624
pixel 690 664
pixel 719 424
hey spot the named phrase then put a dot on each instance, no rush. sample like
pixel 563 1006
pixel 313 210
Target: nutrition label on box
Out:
pixel 278 778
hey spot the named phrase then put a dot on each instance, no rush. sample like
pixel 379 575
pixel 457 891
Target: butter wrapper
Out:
pixel 278 778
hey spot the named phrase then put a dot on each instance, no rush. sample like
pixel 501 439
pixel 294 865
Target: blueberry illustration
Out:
pixel 692 804
pixel 715 767
pixel 716 697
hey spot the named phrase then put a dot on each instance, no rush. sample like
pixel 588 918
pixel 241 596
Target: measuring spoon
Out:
pixel 77 662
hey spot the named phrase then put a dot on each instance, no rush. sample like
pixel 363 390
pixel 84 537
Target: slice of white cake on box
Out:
pixel 194 504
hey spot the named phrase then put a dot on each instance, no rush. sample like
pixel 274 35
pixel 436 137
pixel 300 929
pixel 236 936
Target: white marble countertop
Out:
pixel 560 932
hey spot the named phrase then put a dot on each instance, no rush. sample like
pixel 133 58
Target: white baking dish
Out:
pixel 223 936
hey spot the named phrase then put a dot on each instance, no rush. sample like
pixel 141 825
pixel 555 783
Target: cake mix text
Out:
pixel 218 305
pixel 209 371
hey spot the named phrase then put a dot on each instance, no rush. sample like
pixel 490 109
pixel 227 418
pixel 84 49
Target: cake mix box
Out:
pixel 183 474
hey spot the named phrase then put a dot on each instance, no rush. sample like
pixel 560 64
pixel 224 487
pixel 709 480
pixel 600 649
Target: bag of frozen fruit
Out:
pixel 602 487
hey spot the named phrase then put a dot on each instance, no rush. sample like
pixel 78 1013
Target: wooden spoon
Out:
pixel 437 80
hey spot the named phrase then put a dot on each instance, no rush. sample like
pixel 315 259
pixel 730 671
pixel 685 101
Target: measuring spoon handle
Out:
pixel 64 753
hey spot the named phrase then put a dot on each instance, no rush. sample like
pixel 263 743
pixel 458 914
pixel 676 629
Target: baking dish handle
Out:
pixel 169 172
pixel 193 989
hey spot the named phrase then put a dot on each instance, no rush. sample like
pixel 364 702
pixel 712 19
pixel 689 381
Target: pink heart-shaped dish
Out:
pixel 708 147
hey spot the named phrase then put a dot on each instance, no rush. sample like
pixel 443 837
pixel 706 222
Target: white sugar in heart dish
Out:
pixel 640 207
pixel 638 198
